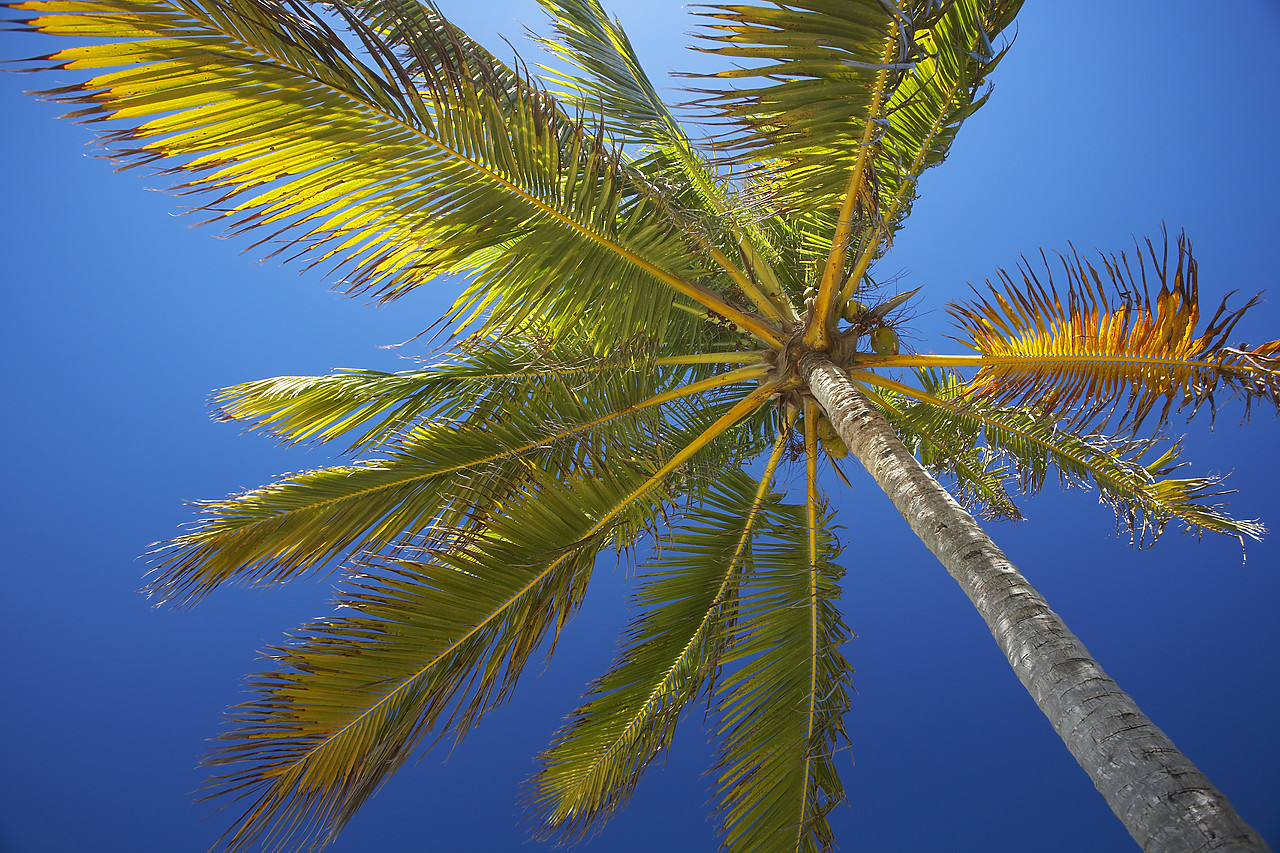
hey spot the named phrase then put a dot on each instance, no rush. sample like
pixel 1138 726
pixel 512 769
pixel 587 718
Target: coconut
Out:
pixel 853 310
pixel 884 341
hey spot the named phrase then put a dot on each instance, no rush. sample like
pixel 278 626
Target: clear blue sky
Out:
pixel 1108 119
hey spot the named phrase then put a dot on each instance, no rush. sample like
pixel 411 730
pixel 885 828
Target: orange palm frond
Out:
pixel 1112 351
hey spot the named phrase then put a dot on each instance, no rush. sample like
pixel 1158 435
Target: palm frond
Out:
pixel 608 79
pixel 1112 352
pixel 781 712
pixel 672 651
pixel 432 644
pixel 403 181
pixel 440 473
pixel 854 102
pixel 943 88
pixel 475 382
pixel 822 72
pixel 450 635
pixel 1131 474
pixel 950 446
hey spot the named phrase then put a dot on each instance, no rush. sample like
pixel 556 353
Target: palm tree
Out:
pixel 556 430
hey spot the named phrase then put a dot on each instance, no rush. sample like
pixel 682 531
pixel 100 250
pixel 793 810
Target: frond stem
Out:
pixel 713 358
pixel 818 335
pixel 811 414
pixel 869 360
pixel 745 284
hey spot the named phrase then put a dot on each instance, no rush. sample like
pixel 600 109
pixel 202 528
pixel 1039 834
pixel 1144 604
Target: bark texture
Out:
pixel 1163 800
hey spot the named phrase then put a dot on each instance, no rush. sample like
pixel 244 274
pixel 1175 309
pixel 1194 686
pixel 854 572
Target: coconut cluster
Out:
pixel 883 339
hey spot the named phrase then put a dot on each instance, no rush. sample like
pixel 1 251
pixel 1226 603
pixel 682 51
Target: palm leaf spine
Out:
pixel 1029 361
pixel 1163 800
pixel 747 286
pixel 813 501
pixel 712 358
pixel 818 335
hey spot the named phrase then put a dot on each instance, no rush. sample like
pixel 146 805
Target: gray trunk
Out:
pixel 1155 790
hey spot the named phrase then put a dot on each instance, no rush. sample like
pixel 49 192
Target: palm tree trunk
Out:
pixel 1155 790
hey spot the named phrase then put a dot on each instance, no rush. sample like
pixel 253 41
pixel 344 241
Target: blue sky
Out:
pixel 1107 120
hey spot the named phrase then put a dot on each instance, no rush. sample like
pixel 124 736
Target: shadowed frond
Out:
pixel 439 473
pixel 1112 351
pixel 432 644
pixel 950 447
pixel 781 710
pixel 438 639
pixel 446 168
pixel 1131 474
pixel 672 651
pixel 477 381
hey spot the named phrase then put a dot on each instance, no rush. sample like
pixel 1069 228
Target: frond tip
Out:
pixel 1112 351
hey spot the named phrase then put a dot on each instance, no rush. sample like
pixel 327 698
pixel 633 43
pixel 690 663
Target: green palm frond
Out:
pixel 608 80
pixel 439 473
pixel 943 88
pixel 823 71
pixel 453 633
pixel 949 445
pixel 1112 354
pixel 1130 474
pixel 478 381
pixel 855 100
pixel 688 601
pixel 400 183
pixel 781 710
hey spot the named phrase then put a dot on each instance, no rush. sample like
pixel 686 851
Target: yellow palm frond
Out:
pixel 1111 351
pixel 446 164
